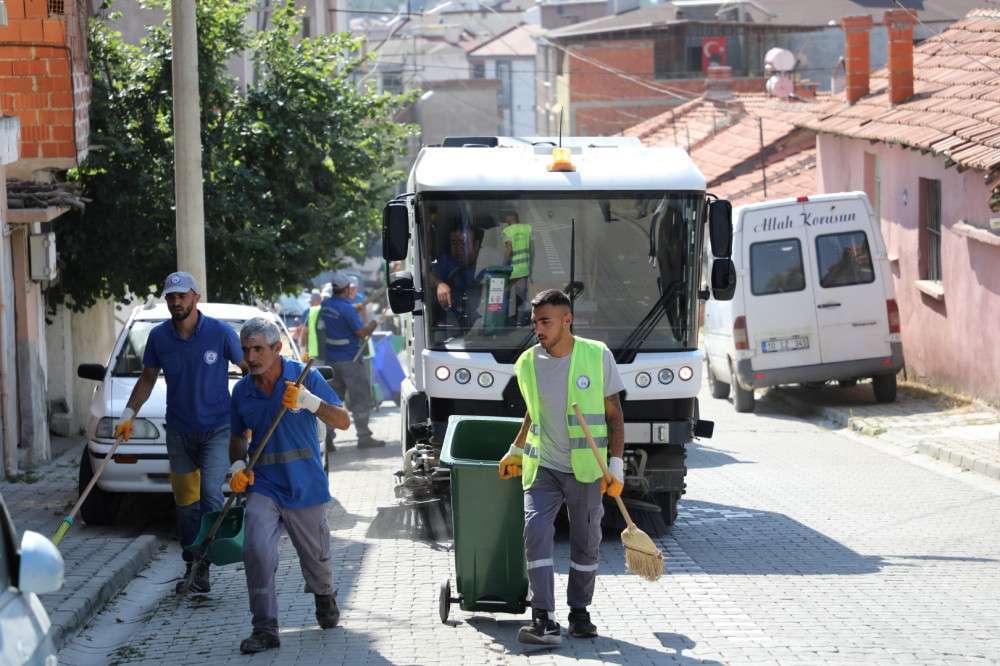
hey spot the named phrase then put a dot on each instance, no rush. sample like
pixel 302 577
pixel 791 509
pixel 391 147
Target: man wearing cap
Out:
pixel 194 352
pixel 344 332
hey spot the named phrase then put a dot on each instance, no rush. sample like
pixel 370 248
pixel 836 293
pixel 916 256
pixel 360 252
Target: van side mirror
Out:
pixel 723 279
pixel 402 295
pixel 94 371
pixel 720 228
pixel 395 231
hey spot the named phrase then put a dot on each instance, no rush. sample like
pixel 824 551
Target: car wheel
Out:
pixel 100 507
pixel 719 389
pixel 884 387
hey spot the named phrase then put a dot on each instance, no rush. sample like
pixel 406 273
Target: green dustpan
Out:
pixel 227 546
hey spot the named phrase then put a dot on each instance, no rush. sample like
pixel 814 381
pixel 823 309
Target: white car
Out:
pixel 34 568
pixel 140 465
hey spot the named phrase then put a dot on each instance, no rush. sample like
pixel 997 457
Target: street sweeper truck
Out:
pixel 488 222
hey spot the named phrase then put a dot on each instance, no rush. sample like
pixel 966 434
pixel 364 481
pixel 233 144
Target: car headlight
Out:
pixel 463 376
pixel 442 373
pixel 141 429
pixel 666 375
pixel 685 372
pixel 642 380
pixel 485 379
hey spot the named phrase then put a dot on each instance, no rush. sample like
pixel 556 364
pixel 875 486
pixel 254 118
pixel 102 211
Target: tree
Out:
pixel 296 168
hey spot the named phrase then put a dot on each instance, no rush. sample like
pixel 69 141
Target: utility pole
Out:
pixel 188 194
pixel 763 158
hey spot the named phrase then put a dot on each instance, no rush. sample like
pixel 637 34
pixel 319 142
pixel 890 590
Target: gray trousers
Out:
pixel 310 536
pixel 586 508
pixel 351 379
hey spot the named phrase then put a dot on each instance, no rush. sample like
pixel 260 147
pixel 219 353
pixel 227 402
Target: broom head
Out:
pixel 642 557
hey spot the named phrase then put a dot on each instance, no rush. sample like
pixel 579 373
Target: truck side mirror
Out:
pixel 395 231
pixel 94 371
pixel 723 279
pixel 720 228
pixel 402 295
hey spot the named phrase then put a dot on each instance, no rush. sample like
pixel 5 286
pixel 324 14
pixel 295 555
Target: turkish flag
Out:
pixel 713 52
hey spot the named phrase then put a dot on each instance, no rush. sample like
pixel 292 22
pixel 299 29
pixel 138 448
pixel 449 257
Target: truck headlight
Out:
pixel 141 429
pixel 685 373
pixel 463 376
pixel 666 375
pixel 642 380
pixel 442 373
pixel 485 379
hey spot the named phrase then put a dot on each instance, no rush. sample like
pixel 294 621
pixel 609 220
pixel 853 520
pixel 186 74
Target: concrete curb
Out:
pixel 836 416
pixel 76 611
pixel 964 461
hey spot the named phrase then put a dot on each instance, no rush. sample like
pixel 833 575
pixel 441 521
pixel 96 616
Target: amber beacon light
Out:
pixel 561 160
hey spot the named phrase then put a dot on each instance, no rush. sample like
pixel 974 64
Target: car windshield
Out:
pixel 616 252
pixel 129 360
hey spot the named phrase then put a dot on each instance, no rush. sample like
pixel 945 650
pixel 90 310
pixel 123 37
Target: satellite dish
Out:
pixel 779 86
pixel 781 60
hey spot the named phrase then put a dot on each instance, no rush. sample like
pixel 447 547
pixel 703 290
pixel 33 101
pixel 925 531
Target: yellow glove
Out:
pixel 123 429
pixel 241 479
pixel 616 474
pixel 510 464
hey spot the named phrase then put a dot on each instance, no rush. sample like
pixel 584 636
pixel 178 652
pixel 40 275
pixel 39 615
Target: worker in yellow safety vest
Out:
pixel 558 465
pixel 517 254
pixel 308 336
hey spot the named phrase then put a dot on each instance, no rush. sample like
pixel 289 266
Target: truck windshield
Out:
pixel 616 253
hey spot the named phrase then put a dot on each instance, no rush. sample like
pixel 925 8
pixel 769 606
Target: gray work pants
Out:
pixel 310 536
pixel 586 508
pixel 351 379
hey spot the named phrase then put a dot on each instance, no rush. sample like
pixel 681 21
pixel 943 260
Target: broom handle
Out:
pixel 68 520
pixel 600 461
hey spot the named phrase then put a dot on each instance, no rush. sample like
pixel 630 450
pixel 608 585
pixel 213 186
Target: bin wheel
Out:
pixel 444 601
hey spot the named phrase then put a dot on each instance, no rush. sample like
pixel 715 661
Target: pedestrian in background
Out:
pixel 344 334
pixel 194 352
pixel 308 339
pixel 287 486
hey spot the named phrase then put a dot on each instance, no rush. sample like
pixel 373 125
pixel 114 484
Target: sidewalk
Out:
pixel 99 561
pixel 963 434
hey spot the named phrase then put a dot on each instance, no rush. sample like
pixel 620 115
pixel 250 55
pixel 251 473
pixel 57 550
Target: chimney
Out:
pixel 856 58
pixel 899 27
pixel 719 82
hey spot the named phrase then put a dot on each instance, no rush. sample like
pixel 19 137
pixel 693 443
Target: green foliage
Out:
pixel 296 167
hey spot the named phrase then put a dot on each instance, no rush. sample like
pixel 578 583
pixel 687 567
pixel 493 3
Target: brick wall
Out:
pixel 45 81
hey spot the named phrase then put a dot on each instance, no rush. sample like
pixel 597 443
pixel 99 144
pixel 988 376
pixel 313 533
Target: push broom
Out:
pixel 641 554
pixel 68 520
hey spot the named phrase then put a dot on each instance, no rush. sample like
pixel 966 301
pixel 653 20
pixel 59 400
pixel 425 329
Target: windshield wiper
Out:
pixel 528 341
pixel 647 325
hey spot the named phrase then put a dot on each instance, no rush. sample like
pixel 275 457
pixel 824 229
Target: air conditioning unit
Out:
pixel 42 256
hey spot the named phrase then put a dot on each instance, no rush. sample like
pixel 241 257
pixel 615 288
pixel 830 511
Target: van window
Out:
pixel 776 267
pixel 844 259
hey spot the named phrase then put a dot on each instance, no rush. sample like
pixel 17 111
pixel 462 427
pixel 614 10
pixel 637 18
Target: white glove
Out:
pixel 617 468
pixel 299 397
pixel 237 466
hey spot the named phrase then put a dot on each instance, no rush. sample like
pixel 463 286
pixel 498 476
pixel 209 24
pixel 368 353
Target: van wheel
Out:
pixel 719 389
pixel 884 387
pixel 743 399
pixel 847 383
pixel 100 507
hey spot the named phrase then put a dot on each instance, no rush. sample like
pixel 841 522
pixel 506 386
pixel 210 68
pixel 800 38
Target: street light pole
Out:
pixel 188 195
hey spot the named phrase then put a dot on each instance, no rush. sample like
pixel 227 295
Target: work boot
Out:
pixel 199 584
pixel 327 613
pixel 370 443
pixel 542 631
pixel 580 625
pixel 258 642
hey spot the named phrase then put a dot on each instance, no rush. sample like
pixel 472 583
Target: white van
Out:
pixel 814 300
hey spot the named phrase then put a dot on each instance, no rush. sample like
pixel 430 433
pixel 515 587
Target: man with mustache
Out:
pixel 194 352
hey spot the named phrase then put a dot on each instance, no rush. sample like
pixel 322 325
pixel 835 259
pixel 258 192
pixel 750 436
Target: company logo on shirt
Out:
pixel 211 357
pixel 583 382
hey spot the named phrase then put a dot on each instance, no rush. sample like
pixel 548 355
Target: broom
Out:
pixel 68 520
pixel 641 554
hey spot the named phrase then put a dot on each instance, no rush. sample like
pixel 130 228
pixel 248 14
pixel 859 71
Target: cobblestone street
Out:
pixel 794 545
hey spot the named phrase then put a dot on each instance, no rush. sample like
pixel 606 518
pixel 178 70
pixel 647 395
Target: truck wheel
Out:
pixel 884 387
pixel 100 507
pixel 668 505
pixel 719 389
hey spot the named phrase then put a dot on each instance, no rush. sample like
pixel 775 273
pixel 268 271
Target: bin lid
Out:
pixel 454 426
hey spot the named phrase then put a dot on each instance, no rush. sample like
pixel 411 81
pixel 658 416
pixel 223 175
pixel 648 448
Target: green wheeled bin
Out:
pixel 495 320
pixel 487 518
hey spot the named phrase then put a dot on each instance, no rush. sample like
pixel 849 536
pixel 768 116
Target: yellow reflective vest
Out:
pixel 519 237
pixel 586 388
pixel 313 333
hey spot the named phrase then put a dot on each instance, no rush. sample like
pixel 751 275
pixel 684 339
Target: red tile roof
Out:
pixel 687 125
pixel 955 109
pixel 792 176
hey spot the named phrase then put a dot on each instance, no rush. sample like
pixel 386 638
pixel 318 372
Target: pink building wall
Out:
pixel 953 342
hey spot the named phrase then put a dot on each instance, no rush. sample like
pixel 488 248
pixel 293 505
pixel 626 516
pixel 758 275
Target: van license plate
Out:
pixel 793 343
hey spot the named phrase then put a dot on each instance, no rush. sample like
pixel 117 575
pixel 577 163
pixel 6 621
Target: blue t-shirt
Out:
pixel 340 320
pixel 197 372
pixel 290 471
pixel 463 281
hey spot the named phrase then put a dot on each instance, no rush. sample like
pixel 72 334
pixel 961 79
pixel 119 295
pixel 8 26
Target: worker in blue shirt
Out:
pixel 194 352
pixel 287 485
pixel 344 333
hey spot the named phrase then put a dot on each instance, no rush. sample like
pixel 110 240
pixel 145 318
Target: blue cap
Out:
pixel 179 283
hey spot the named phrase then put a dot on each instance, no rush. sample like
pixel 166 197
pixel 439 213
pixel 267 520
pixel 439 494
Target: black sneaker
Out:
pixel 370 443
pixel 542 631
pixel 258 642
pixel 580 625
pixel 327 613
pixel 199 584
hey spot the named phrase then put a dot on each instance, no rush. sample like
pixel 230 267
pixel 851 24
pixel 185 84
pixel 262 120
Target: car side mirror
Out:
pixel 720 228
pixel 94 371
pixel 326 371
pixel 395 231
pixel 723 279
pixel 402 295
pixel 41 567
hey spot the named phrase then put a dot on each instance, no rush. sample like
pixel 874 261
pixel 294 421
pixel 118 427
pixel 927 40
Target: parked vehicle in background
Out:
pixel 34 568
pixel 814 300
pixel 141 464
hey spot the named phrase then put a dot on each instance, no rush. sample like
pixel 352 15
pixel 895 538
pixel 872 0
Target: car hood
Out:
pixel 154 408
